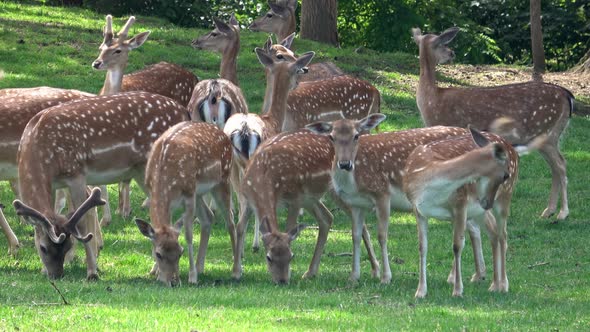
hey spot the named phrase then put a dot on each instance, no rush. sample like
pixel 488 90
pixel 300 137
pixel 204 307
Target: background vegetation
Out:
pixel 548 265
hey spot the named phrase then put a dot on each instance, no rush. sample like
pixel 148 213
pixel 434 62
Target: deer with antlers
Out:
pixel 187 161
pixel 537 108
pixel 469 177
pixel 96 141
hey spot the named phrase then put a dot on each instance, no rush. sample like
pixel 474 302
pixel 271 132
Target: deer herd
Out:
pixel 183 140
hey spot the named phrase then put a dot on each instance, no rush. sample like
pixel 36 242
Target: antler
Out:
pixel 36 218
pixel 108 31
pixel 92 201
pixel 123 33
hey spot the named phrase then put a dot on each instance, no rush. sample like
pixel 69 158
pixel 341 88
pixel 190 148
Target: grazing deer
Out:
pixel 469 177
pixel 291 169
pixel 538 109
pixel 96 141
pixel 215 101
pixel 367 172
pixel 13 243
pixel 163 78
pixel 280 19
pixel 186 162
pixel 225 39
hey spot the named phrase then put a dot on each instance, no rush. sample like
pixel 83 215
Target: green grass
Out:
pixel 55 47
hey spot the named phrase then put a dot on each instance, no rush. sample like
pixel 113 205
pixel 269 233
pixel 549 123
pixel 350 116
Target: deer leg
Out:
pixel 383 211
pixel 480 265
pixel 245 213
pixel 124 205
pixel 551 153
pixel 61 200
pixel 422 225
pixel 325 219
pixel 88 224
pixel 106 209
pixel 206 219
pixel 492 228
pixel 357 229
pixel 189 212
pixel 222 196
pixel 13 244
pixel 458 244
pixel 501 217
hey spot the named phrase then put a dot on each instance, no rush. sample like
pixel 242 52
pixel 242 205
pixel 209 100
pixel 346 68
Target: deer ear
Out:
pixel 304 60
pixel 500 153
pixel 448 35
pixel 265 226
pixel 222 26
pixel 322 128
pixel 288 40
pixel 478 138
pixel 263 57
pixel 417 35
pixel 233 21
pixel 292 4
pixel 277 9
pixel 139 39
pixel 145 228
pixel 371 121
pixel 294 233
pixel 268 44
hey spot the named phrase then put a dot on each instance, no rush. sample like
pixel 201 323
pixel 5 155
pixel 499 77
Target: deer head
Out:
pixel 221 38
pixel 52 237
pixel 344 134
pixel 278 250
pixel 437 45
pixel 280 19
pixel 166 250
pixel 281 51
pixel 114 52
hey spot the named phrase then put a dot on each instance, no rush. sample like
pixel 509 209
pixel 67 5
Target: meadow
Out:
pixel 548 263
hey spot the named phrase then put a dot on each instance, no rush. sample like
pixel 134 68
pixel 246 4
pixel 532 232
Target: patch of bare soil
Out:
pixel 578 84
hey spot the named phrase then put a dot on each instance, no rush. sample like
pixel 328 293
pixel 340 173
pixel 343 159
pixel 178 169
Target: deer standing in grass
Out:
pixel 537 108
pixel 469 177
pixel 367 172
pixel 93 141
pixel 186 162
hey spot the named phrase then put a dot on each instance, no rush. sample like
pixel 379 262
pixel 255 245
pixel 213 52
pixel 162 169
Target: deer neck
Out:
pixel 278 102
pixel 267 92
pixel 229 62
pixel 427 85
pixel 160 210
pixel 288 28
pixel 35 187
pixel 113 80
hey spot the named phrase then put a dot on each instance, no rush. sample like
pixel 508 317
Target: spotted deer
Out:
pixel 280 19
pixel 537 108
pixel 163 78
pixel 188 161
pixel 293 170
pixel 92 141
pixel 225 39
pixel 468 177
pixel 215 101
pixel 367 172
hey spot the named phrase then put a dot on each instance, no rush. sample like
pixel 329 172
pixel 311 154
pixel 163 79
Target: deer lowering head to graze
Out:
pixel 214 101
pixel 188 161
pixel 367 172
pixel 96 141
pixel 292 170
pixel 469 177
pixel 225 39
pixel 280 19
pixel 537 108
pixel 54 232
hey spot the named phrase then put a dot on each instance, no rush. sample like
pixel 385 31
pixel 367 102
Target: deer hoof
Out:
pixel 255 249
pixel 92 277
pixel 562 215
pixel 420 293
pixel 477 277
pixel 548 212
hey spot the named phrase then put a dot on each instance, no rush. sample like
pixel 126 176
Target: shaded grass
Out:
pixel 53 46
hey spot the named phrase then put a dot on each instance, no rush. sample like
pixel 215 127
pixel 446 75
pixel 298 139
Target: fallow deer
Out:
pixel 96 141
pixel 469 177
pixel 291 169
pixel 367 172
pixel 538 109
pixel 215 101
pixel 163 78
pixel 186 162
pixel 280 19
pixel 225 39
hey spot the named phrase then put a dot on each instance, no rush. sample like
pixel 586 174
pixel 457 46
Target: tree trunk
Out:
pixel 537 41
pixel 583 67
pixel 318 21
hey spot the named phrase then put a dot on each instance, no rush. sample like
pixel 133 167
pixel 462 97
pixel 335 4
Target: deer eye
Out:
pixel 506 176
pixel 43 249
pixel 356 137
pixel 280 56
pixel 213 34
pixel 269 15
pixel 158 255
pixel 268 259
pixel 117 51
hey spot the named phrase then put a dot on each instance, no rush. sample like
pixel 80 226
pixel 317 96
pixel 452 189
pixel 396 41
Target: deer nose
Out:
pixel 345 165
pixel 485 203
pixel 97 64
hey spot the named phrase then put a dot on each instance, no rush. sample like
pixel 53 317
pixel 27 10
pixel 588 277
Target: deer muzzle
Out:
pixel 346 165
